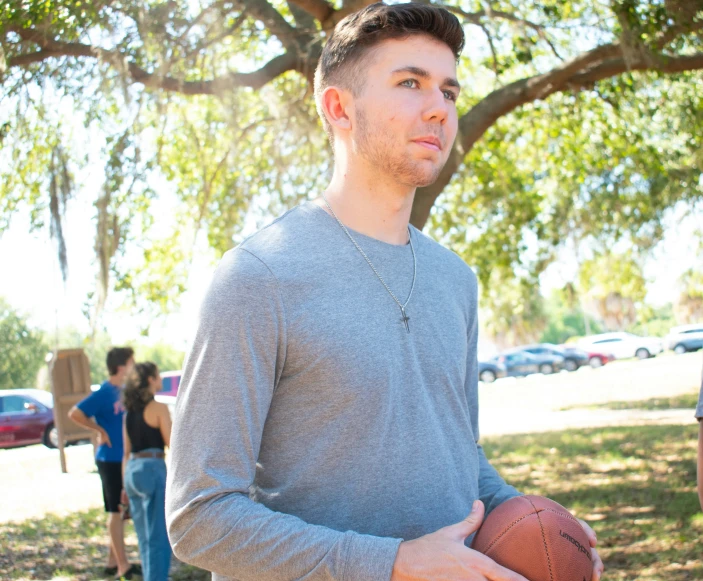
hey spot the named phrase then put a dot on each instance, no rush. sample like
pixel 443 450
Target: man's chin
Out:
pixel 425 178
pixel 427 182
pixel 427 172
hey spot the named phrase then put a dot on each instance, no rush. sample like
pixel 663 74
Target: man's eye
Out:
pixel 409 83
pixel 450 95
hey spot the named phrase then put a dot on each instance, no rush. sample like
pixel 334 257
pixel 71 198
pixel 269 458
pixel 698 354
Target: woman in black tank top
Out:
pixel 147 432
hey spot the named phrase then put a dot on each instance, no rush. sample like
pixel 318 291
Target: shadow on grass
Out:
pixel 634 485
pixel 72 547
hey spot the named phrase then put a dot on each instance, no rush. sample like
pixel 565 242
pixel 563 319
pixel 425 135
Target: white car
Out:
pixel 623 345
pixel 685 338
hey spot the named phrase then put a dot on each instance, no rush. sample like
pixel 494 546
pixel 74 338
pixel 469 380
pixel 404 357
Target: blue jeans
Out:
pixel 145 484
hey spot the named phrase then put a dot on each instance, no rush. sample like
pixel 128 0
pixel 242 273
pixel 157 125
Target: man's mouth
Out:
pixel 429 142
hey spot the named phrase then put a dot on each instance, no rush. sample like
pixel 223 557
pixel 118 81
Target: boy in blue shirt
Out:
pixel 103 413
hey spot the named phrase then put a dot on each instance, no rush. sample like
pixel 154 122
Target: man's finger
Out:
pixel 598 566
pixel 592 539
pixel 469 525
pixel 494 572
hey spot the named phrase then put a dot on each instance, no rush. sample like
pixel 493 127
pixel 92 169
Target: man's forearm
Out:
pixel 78 417
pixel 492 488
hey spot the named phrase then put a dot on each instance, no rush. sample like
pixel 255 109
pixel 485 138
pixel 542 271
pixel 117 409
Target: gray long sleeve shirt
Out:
pixel 312 432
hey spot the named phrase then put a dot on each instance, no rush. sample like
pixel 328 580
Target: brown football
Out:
pixel 537 538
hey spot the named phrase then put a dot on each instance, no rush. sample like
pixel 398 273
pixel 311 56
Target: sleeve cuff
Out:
pixel 369 558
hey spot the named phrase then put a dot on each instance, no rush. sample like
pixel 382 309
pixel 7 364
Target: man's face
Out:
pixel 129 366
pixel 405 120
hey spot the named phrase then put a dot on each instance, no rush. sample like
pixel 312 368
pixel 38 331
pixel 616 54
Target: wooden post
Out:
pixel 69 375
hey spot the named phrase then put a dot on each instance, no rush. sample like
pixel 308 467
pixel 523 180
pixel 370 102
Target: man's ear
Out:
pixel 336 103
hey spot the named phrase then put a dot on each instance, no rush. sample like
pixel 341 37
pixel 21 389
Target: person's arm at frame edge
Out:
pixel 700 462
pixel 164 416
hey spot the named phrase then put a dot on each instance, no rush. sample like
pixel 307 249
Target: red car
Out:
pixel 598 359
pixel 27 417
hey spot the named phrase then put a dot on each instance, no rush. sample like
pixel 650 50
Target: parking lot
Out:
pixel 32 483
pixel 541 403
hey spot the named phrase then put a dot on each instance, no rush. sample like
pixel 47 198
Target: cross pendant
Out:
pixel 405 319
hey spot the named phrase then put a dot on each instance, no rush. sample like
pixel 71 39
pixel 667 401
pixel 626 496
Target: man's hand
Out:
pixel 103 438
pixel 124 499
pixel 598 566
pixel 442 556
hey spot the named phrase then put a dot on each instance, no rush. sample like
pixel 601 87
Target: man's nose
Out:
pixel 437 108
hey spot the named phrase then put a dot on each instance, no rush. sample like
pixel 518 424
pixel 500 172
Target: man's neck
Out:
pixel 116 380
pixel 375 208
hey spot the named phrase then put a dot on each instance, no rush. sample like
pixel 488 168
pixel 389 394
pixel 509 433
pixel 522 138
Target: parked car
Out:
pixel 685 338
pixel 598 358
pixel 27 417
pixel 489 371
pixel 623 345
pixel 520 363
pixel 573 357
pixel 170 381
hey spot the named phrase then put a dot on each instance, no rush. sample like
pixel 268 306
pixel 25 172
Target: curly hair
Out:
pixel 136 393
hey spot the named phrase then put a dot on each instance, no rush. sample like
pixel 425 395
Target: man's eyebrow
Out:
pixel 423 74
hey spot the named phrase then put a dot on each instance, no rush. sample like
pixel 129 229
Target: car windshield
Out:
pixel 44 398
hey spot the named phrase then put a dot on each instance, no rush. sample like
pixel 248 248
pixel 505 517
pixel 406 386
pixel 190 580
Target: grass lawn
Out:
pixel 635 485
pixel 684 401
pixel 68 548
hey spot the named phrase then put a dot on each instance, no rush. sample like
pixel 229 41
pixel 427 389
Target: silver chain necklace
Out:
pixel 402 306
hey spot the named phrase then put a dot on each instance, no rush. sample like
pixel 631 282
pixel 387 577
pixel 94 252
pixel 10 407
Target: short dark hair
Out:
pixel 356 34
pixel 118 356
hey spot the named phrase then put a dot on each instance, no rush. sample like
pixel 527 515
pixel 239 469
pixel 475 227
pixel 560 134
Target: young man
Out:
pixel 102 412
pixel 327 422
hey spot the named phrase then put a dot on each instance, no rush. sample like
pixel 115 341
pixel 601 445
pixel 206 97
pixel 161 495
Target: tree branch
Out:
pixel 675 31
pixel 501 101
pixel 320 9
pixel 617 66
pixel 475 17
pixel 582 72
pixel 494 54
pixel 256 79
pixel 348 7
pixel 207 42
pixel 303 20
pixel 218 5
pixel 274 22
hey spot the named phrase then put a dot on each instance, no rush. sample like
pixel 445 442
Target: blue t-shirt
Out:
pixel 105 405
